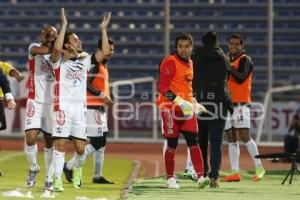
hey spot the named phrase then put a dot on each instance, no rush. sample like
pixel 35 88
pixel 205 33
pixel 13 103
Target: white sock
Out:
pixel 189 165
pixel 234 154
pixel 80 160
pixel 165 145
pixel 71 163
pixel 89 149
pixel 252 149
pixel 58 162
pixel 48 155
pixel 98 162
pixel 31 153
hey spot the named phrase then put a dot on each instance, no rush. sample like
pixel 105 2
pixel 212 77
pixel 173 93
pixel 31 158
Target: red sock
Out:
pixel 170 161
pixel 197 160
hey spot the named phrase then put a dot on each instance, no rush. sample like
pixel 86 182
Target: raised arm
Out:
pixel 105 45
pixel 42 50
pixel 56 54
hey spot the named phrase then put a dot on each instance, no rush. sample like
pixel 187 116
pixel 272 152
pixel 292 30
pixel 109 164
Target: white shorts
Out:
pixel 38 116
pixel 240 118
pixel 96 123
pixel 68 124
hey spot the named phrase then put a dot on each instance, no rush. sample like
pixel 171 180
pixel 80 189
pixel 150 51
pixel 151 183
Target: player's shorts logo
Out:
pixel 60 118
pixel 169 120
pixel 30 109
pixel 98 119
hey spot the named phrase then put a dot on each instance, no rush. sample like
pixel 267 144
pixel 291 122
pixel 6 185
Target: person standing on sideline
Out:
pixel 211 72
pixel 238 123
pixel 7 69
pixel 175 101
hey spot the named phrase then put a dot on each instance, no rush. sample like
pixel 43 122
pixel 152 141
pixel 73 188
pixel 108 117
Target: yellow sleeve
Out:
pixel 6 68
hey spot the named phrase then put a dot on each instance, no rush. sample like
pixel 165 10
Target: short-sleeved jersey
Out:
pixel 41 77
pixel 70 86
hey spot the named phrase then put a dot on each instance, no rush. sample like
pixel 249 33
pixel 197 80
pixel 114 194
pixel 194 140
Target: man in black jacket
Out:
pixel 11 104
pixel 211 72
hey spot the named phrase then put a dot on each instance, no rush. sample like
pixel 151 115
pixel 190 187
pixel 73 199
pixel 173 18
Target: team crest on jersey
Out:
pixel 98 119
pixel 188 78
pixel 60 118
pixel 46 67
pixel 30 109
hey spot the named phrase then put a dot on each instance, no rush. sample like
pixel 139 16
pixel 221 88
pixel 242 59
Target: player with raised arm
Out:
pixel 70 98
pixel 39 105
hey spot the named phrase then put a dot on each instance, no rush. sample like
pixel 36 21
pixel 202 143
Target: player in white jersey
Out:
pixel 70 98
pixel 98 100
pixel 41 79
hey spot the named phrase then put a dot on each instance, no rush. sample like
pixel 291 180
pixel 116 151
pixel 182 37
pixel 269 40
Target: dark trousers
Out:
pixel 2 116
pixel 212 129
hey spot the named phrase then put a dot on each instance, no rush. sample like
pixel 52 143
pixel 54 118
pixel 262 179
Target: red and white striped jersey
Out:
pixel 41 77
pixel 70 86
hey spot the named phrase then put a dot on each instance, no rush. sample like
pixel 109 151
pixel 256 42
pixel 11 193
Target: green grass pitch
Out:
pixel 269 188
pixel 14 169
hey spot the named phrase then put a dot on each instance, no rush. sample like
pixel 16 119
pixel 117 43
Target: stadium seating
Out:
pixel 137 28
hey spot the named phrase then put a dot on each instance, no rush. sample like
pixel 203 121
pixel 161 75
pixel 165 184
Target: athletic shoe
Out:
pixel 232 178
pixel 172 184
pixel 214 183
pixel 203 182
pixel 58 185
pixel 77 176
pixel 190 174
pixel 48 186
pixel 31 179
pixel 68 173
pixel 102 180
pixel 259 173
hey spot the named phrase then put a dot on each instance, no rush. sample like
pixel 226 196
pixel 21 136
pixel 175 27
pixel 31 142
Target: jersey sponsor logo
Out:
pixel 60 118
pixel 74 74
pixel 30 109
pixel 97 116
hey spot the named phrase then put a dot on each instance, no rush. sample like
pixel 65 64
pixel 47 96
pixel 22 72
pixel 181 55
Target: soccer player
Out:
pixel 98 99
pixel 70 98
pixel 7 69
pixel 238 124
pixel 175 102
pixel 39 105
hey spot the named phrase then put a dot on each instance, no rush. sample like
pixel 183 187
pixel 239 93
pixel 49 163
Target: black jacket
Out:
pixel 211 72
pixel 4 83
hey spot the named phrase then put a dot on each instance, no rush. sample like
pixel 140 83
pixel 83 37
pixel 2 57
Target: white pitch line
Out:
pixel 10 156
